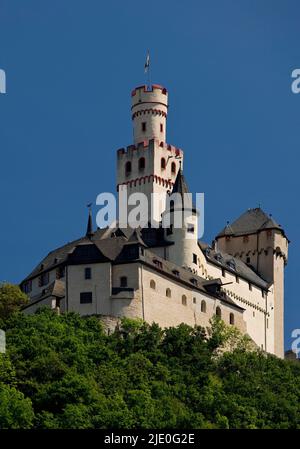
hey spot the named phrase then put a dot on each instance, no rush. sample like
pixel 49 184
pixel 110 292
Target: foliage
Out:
pixel 64 371
pixel 11 300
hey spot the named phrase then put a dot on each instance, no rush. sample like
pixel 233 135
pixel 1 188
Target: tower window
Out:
pixel 223 272
pixel 231 318
pixel 86 297
pixel 127 168
pixel 237 279
pixel 123 281
pixel 161 128
pixel 168 293
pixel 163 163
pixel 173 167
pixel 203 306
pixel 195 258
pixel 248 259
pixel 144 126
pixel 142 163
pixel 87 273
pixel 245 239
pixel 250 286
pixel 194 300
pixel 183 300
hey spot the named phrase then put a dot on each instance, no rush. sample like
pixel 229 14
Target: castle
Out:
pixel 167 275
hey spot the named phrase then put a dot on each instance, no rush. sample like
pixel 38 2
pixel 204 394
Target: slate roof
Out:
pixel 109 242
pixel 180 185
pixel 250 222
pixel 234 265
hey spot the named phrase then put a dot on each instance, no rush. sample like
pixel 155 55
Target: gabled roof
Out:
pixel 250 222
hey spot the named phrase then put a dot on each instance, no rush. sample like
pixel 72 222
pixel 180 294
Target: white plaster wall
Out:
pixel 99 285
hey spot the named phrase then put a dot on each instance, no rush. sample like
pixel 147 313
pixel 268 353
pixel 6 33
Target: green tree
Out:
pixel 11 300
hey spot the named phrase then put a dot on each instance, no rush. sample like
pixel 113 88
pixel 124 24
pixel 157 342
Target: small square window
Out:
pixel 88 273
pixel 123 281
pixel 190 228
pixel 86 297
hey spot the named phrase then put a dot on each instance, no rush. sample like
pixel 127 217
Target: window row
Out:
pixel 144 127
pixel 142 165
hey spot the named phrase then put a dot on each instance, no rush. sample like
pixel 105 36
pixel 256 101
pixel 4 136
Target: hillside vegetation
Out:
pixel 66 372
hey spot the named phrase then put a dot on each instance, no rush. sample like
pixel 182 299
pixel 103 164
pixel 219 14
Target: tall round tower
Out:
pixel 149 113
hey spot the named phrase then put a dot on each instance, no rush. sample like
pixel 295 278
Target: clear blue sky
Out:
pixel 70 68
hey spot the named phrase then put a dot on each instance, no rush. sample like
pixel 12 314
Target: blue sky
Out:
pixel 70 67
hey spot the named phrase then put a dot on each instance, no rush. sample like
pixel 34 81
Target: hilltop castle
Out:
pixel 159 274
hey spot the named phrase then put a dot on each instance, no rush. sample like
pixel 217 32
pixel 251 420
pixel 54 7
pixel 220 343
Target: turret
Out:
pixel 149 113
pixel 180 221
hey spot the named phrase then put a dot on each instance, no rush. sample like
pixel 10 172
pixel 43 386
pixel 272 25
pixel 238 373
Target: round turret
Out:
pixel 149 113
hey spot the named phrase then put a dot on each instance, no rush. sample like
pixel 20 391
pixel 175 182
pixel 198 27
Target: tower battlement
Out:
pixel 150 145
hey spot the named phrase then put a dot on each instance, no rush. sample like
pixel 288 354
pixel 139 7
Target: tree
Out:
pixel 11 299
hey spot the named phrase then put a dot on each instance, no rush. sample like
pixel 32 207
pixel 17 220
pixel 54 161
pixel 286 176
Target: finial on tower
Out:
pixel 89 229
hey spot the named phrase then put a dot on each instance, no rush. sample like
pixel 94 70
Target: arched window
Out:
pixel 142 163
pixel 183 300
pixel 152 284
pixel 127 168
pixel 218 312
pixel 168 293
pixel 173 167
pixel 123 281
pixel 231 318
pixel 163 163
pixel 203 306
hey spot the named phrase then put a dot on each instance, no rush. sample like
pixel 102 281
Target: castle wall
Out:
pixel 99 285
pixel 259 314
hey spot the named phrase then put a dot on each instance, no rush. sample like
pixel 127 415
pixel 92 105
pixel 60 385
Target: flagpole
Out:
pixel 148 71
